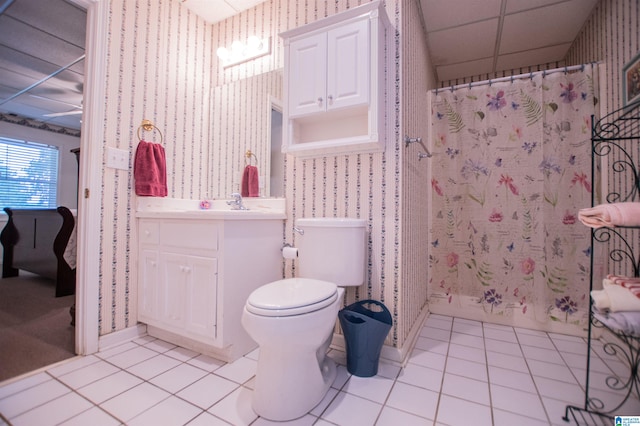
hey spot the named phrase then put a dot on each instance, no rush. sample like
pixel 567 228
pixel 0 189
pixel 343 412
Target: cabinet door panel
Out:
pixel 348 65
pixel 148 285
pixel 307 71
pixel 173 292
pixel 201 296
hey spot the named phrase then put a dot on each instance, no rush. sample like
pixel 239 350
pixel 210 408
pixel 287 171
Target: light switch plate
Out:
pixel 117 158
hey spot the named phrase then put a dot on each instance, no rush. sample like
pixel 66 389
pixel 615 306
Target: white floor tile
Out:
pixel 470 369
pixel 104 389
pixel 422 377
pixel 153 367
pixel 511 362
pixel 414 400
pixel 181 354
pixel 443 335
pixel 516 401
pixel 511 379
pixel 129 404
pixel 348 409
pixel 32 397
pixel 465 388
pixel 235 408
pixel 467 340
pixel 454 411
pixel 527 383
pixel 542 354
pixel 467 352
pixel 374 388
pixel 88 374
pixel 428 359
pixel 9 388
pixel 207 391
pixel 94 416
pixel 53 412
pixel 238 371
pixel 502 347
pixel 551 370
pixel 501 335
pixel 501 417
pixel 207 419
pixel 131 357
pixel 178 378
pixel 206 363
pixel 392 417
pixel 170 412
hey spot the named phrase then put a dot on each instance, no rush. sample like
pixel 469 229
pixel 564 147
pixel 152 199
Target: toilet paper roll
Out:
pixel 290 252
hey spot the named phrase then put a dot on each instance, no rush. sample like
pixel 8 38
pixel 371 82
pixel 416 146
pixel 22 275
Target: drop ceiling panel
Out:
pixel 520 5
pixel 447 13
pixel 546 26
pixel 465 69
pixel 468 42
pixel 532 57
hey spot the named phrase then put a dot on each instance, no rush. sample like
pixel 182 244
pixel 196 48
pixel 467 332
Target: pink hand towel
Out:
pixel 611 215
pixel 250 184
pixel 150 170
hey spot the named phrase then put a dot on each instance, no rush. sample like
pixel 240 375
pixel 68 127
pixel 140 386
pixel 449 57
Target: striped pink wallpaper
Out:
pixel 162 66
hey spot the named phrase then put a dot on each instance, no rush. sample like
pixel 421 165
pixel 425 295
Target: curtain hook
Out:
pixel 531 75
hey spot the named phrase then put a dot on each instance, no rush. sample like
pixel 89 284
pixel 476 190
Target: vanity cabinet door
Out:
pixel 148 285
pixel 188 294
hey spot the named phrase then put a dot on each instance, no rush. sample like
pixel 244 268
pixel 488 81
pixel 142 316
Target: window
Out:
pixel 28 174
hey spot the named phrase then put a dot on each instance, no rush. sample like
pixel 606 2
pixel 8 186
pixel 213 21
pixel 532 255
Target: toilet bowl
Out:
pixel 292 320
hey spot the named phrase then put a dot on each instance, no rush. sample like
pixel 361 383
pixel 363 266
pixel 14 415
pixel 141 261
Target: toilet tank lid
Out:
pixel 333 222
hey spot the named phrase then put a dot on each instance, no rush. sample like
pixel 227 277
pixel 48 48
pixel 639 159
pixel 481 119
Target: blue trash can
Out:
pixel 365 325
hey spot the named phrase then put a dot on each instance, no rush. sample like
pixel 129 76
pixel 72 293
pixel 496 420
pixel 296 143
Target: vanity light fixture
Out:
pixel 241 52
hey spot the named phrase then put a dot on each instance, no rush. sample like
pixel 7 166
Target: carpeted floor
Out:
pixel 35 326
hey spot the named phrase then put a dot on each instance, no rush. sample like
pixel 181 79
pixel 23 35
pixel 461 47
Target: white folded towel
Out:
pixel 611 215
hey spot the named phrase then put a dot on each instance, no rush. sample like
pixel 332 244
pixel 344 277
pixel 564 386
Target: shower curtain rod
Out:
pixel 514 77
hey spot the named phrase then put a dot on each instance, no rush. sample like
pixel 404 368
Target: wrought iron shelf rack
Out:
pixel 615 144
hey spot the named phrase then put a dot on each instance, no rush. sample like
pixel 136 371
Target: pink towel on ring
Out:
pixel 250 184
pixel 150 170
pixel 611 215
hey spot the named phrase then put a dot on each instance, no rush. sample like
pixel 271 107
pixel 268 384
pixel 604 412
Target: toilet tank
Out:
pixel 332 249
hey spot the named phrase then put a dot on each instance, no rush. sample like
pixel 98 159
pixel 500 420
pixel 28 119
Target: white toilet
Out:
pixel 292 320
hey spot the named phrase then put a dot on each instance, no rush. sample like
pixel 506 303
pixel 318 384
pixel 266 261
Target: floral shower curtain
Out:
pixel 511 169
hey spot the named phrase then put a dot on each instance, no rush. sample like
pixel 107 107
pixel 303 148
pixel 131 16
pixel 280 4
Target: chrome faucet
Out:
pixel 236 203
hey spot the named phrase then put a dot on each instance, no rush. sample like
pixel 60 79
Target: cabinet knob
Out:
pixel 330 99
pixel 319 101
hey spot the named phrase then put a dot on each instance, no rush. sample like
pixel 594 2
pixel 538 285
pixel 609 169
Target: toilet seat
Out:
pixel 292 296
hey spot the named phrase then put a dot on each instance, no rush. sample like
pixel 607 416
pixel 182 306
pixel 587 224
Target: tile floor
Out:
pixel 461 372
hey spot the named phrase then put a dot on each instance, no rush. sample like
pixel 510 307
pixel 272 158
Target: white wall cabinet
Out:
pixel 334 84
pixel 196 274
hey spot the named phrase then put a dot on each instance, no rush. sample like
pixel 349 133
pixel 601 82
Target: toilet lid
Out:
pixel 292 296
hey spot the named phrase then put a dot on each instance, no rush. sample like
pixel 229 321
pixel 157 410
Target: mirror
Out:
pixel 244 114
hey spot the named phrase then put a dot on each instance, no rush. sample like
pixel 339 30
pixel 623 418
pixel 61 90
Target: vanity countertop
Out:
pixel 173 208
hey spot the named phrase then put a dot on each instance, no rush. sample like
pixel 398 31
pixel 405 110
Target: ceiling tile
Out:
pixel 469 42
pixel 211 11
pixel 465 69
pixel 520 5
pixel 546 26
pixel 532 57
pixel 444 14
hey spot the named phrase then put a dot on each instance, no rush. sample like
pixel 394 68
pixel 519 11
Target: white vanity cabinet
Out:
pixel 196 274
pixel 334 83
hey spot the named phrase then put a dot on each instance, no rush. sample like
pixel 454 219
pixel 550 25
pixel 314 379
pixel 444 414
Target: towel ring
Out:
pixel 148 126
pixel 248 155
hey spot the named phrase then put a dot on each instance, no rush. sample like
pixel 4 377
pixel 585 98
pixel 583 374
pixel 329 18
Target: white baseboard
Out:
pixel 122 336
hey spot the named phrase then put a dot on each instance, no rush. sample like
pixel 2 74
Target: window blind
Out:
pixel 28 174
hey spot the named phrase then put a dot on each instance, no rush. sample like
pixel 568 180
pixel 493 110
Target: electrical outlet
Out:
pixel 117 158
